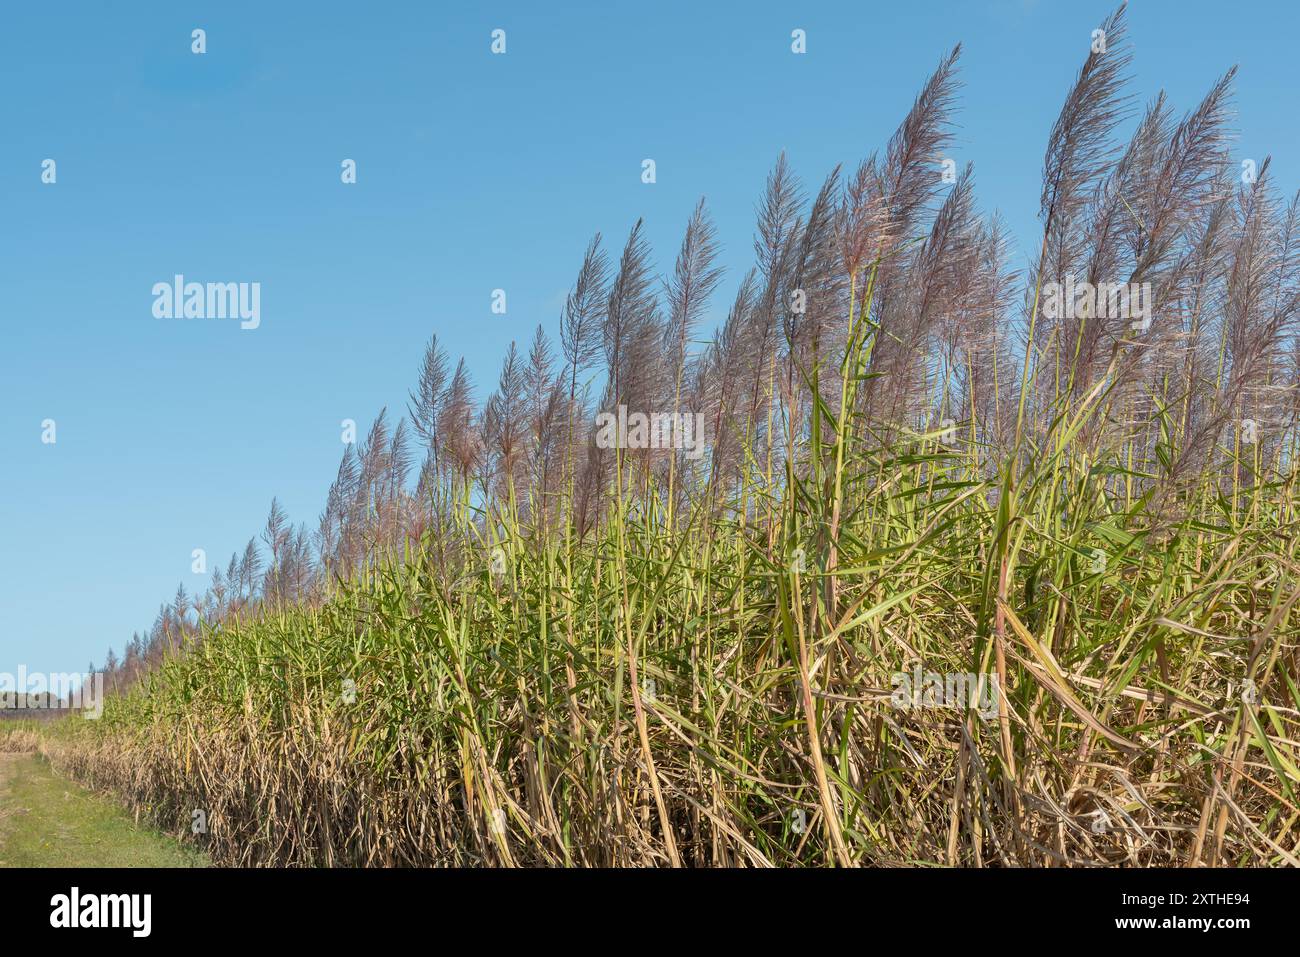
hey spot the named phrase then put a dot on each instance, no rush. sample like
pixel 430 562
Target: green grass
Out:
pixel 474 713
pixel 48 821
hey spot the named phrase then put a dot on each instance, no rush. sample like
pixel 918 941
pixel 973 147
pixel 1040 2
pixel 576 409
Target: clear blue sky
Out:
pixel 475 172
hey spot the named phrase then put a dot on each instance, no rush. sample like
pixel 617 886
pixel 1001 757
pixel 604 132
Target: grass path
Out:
pixel 48 821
